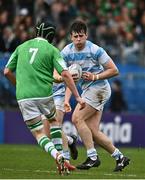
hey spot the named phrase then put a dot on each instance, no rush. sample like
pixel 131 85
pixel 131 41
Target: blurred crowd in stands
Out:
pixel 116 25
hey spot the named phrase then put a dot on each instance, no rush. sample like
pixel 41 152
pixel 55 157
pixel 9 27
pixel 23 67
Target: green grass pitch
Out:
pixel 30 162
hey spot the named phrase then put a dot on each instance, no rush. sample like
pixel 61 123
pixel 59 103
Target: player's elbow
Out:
pixel 7 72
pixel 65 74
pixel 116 71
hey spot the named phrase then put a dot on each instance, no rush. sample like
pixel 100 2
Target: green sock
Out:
pixel 56 137
pixel 47 145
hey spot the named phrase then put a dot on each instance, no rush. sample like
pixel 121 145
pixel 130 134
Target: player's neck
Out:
pixel 80 48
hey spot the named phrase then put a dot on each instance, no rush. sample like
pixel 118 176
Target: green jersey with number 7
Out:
pixel 34 61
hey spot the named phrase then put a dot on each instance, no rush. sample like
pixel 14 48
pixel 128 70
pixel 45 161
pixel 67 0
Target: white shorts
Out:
pixel 31 109
pixel 96 96
pixel 59 95
pixel 59 102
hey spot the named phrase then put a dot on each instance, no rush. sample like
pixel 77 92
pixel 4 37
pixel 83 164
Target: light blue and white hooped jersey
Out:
pixel 91 58
pixel 59 90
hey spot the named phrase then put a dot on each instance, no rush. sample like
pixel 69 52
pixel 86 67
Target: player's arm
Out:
pixel 68 94
pixel 57 78
pixel 9 74
pixel 10 68
pixel 110 70
pixel 105 60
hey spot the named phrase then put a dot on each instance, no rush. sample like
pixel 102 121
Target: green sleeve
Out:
pixel 59 63
pixel 12 62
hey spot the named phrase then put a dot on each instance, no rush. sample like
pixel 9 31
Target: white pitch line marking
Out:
pixel 75 172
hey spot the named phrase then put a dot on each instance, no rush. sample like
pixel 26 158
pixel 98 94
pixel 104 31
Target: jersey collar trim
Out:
pixel 40 38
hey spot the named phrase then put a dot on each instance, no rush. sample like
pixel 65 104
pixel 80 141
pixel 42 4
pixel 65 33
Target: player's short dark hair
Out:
pixel 78 26
pixel 46 30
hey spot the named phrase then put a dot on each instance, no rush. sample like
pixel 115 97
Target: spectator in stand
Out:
pixel 10 40
pixel 130 49
pixel 3 24
pixel 117 101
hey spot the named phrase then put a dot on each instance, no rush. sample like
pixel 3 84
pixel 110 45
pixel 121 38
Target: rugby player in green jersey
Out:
pixel 34 62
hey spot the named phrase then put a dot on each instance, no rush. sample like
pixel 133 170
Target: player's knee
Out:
pixel 73 120
pixel 34 125
pixel 97 135
pixel 76 120
pixel 38 133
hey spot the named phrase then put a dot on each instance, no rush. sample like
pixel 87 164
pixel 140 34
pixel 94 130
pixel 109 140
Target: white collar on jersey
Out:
pixel 40 38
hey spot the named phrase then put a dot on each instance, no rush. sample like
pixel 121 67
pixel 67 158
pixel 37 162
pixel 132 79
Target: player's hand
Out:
pixel 67 107
pixel 81 102
pixel 75 77
pixel 88 76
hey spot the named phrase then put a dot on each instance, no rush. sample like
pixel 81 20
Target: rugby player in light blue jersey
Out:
pixel 97 67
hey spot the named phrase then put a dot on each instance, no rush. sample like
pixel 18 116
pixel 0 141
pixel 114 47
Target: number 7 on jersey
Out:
pixel 34 52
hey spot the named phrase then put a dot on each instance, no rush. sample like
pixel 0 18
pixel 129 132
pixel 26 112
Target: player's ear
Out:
pixel 71 37
pixel 86 35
